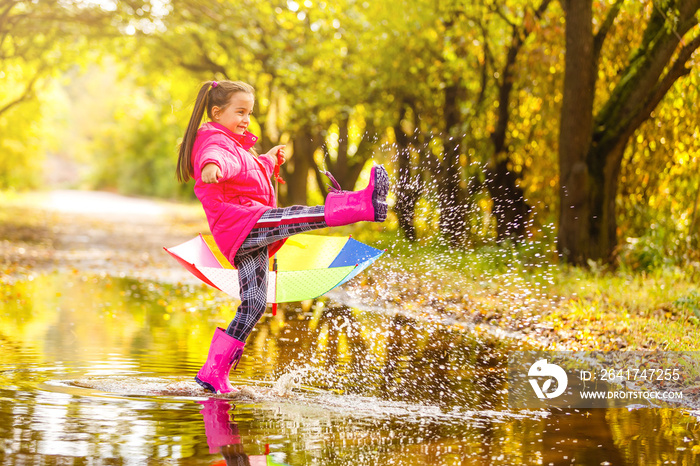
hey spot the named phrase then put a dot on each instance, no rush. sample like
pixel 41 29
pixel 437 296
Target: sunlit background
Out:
pixel 96 94
pixel 469 106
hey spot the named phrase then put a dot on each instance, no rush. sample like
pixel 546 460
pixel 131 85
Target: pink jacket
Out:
pixel 242 195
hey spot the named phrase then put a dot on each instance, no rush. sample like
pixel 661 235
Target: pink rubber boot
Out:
pixel 223 353
pixel 367 205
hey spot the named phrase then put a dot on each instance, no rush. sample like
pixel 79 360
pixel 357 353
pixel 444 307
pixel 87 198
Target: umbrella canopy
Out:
pixel 308 266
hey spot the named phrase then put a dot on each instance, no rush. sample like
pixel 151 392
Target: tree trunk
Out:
pixel 297 169
pixel 591 150
pixel 452 212
pixel 407 189
pixel 346 168
pixel 509 206
pixel 576 200
pixel 602 193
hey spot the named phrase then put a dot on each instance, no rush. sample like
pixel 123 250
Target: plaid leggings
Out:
pixel 252 260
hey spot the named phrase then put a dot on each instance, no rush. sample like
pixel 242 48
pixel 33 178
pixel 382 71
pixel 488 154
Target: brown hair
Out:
pixel 212 94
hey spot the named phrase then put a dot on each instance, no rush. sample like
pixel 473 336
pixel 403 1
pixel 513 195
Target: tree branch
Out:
pixel 488 60
pixel 503 16
pixel 602 33
pixel 213 66
pixel 505 87
pixel 26 95
pixel 205 65
pixel 643 74
pixel 675 72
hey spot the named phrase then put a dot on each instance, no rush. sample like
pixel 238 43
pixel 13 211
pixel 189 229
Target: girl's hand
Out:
pixel 211 173
pixel 278 152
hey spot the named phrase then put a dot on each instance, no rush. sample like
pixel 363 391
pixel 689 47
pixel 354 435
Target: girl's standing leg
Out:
pixel 252 261
pixel 252 276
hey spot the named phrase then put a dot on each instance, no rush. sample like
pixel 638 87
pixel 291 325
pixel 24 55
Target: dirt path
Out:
pixel 95 232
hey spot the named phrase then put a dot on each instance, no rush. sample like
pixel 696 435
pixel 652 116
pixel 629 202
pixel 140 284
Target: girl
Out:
pixel 233 184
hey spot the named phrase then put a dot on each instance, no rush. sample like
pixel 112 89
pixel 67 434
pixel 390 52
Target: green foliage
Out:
pixel 143 149
pixel 644 254
pixel 658 205
pixel 20 149
pixel 689 302
pixel 346 75
pixel 138 141
pixel 39 42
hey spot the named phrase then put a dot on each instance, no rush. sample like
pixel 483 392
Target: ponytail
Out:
pixel 212 94
pixel 185 170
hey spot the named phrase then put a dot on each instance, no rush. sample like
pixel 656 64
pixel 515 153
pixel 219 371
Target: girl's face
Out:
pixel 236 115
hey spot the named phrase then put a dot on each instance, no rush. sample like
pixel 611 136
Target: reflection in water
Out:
pixel 223 436
pixel 396 358
pixel 342 386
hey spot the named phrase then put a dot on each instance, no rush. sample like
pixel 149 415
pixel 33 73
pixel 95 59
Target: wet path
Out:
pixel 97 368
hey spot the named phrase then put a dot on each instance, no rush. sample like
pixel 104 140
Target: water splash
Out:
pixel 289 381
pixel 138 386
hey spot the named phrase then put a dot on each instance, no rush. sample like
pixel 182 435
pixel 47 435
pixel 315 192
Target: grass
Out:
pixel 657 310
pixel 526 289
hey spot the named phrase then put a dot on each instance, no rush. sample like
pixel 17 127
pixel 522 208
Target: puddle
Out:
pixel 101 367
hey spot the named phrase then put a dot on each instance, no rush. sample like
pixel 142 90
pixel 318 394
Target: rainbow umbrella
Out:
pixel 308 266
